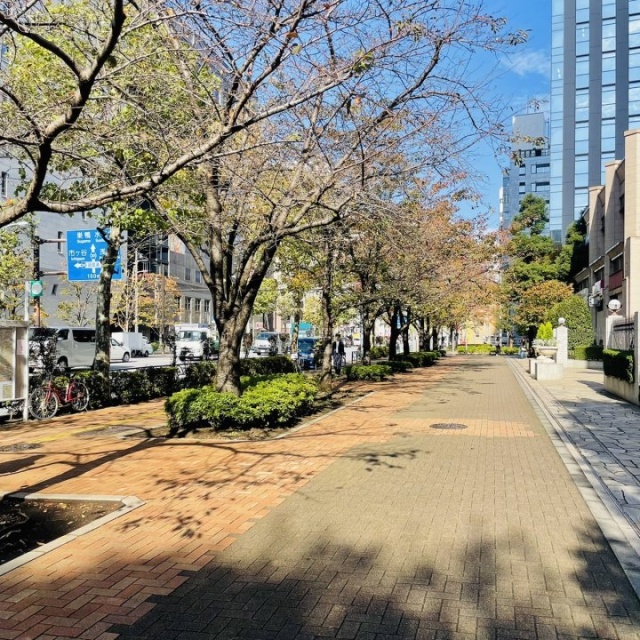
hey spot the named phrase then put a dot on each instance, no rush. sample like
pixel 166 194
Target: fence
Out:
pixel 621 334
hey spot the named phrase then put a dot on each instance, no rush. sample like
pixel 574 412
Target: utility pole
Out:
pixel 36 284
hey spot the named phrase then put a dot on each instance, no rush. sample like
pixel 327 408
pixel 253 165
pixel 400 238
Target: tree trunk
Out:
pixel 406 325
pixel 395 332
pixel 227 376
pixel 368 324
pixel 102 360
pixel 297 316
pixel 434 339
pixel 327 321
pixel 424 334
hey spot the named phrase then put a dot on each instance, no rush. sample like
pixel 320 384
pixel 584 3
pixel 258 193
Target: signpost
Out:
pixel 85 250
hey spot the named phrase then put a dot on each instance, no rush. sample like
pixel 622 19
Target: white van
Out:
pixel 269 343
pixel 75 346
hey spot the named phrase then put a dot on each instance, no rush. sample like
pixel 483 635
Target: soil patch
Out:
pixel 27 524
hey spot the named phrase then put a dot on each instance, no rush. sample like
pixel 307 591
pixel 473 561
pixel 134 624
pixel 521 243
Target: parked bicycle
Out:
pixel 45 400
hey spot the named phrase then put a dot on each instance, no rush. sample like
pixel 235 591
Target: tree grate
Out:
pixel 448 426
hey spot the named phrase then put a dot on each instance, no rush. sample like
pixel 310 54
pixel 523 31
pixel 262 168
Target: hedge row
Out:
pixel 368 371
pixel 420 358
pixel 269 401
pixel 483 349
pixel 148 383
pixel 592 352
pixel 378 353
pixel 618 364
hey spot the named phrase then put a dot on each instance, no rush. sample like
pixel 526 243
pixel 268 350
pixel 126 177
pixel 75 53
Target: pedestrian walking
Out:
pixel 338 354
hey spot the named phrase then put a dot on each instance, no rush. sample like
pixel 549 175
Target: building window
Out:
pixel 616 264
pixel 54 290
pixel 540 168
pixel 198 275
pixel 187 273
pixel 60 238
pixel 4 184
pixel 187 309
pixel 197 307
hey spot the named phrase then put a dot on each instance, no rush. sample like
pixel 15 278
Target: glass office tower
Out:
pixel 595 97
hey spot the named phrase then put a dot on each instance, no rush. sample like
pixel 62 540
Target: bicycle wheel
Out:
pixel 43 403
pixel 79 396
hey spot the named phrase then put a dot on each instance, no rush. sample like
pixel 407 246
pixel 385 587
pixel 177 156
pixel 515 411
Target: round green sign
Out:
pixel 35 288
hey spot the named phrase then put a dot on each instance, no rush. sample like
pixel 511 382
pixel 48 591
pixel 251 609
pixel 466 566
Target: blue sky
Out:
pixel 523 77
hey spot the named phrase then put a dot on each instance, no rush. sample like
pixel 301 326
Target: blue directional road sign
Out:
pixel 85 250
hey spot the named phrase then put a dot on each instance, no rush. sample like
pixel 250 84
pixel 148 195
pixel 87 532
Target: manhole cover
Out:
pixel 448 425
pixel 20 446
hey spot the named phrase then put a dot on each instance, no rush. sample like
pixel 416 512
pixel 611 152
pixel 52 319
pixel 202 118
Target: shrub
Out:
pixel 510 351
pixel 379 352
pixel 399 365
pixel 268 402
pixel 545 332
pixel 578 320
pixel 421 358
pixel 265 366
pixel 198 374
pixel 368 371
pixel 482 349
pixel 592 352
pixel 618 364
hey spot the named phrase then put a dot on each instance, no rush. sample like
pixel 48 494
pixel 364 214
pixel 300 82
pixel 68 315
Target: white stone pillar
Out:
pixel 562 338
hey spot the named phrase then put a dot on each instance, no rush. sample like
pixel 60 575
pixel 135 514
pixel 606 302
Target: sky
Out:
pixel 524 78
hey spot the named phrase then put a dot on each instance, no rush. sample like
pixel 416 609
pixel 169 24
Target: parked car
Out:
pixel 307 352
pixel 119 351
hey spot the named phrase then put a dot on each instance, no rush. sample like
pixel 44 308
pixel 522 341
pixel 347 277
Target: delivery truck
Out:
pixel 135 343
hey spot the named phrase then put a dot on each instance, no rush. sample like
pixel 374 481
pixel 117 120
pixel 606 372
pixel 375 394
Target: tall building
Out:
pixel 529 169
pixel 595 97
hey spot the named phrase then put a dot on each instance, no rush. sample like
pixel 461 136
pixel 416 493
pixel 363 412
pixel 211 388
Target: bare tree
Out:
pixel 244 124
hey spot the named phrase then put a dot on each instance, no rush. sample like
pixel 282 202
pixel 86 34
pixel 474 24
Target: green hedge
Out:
pixel 378 353
pixel 421 358
pixel 618 364
pixel 510 351
pixel 399 365
pixel 593 352
pixel 368 371
pixel 266 366
pixel 482 349
pixel 270 402
pixel 147 383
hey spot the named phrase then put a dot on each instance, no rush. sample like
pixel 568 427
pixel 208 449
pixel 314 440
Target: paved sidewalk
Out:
pixel 435 507
pixel 602 435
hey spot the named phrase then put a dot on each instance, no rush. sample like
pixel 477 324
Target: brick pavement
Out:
pixel 368 524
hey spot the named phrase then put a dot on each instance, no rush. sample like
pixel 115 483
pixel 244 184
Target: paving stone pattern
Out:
pixel 478 533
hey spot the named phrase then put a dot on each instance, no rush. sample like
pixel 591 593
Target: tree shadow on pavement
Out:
pixel 281 589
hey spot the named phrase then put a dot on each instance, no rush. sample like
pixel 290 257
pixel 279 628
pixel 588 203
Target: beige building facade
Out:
pixel 613 232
